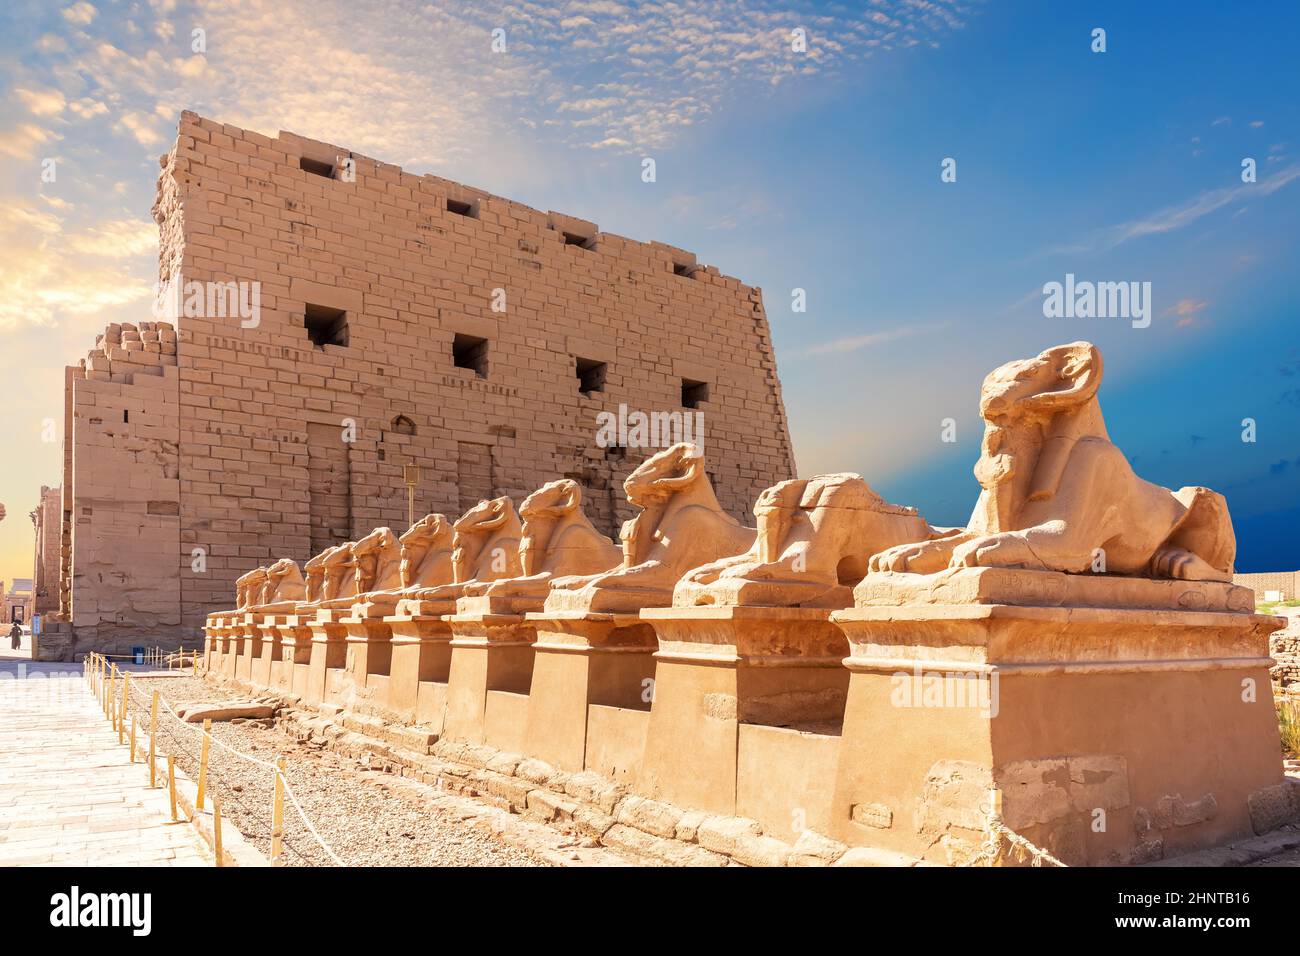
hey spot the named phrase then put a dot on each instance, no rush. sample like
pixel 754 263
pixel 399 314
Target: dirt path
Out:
pixel 368 818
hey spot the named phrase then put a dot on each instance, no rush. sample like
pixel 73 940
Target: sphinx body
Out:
pixel 485 547
pixel 419 560
pixel 426 553
pixel 283 585
pixel 338 576
pixel 1058 495
pixel 814 539
pixel 557 539
pixel 680 526
pixel 249 586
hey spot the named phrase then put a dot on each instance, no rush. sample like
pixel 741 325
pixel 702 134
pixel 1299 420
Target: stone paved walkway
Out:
pixel 68 795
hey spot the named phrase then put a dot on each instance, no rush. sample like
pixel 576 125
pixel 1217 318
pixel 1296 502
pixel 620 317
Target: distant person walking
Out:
pixel 16 635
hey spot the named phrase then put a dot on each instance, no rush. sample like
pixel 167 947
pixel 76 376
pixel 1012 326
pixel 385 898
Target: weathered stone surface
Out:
pixel 1174 811
pixel 661 819
pixel 506 763
pixel 623 837
pixel 540 772
pixel 742 840
pixel 688 826
pixel 197 713
pixel 510 789
pixel 1042 791
pixel 592 822
pixel 549 806
pixel 1274 806
pixel 813 849
pixel 956 794
pixel 592 788
pixel 870 856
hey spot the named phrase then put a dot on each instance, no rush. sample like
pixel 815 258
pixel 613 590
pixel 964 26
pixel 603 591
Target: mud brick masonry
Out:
pixel 207 444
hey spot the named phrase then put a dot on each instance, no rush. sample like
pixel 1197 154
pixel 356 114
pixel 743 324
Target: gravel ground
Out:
pixel 368 818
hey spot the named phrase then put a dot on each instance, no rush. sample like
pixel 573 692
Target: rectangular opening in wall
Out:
pixel 470 351
pixel 325 326
pixel 469 209
pixel 591 376
pixel 683 270
pixel 582 242
pixel 316 167
pixel 693 393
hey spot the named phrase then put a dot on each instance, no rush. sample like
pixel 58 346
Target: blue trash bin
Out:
pixel 137 652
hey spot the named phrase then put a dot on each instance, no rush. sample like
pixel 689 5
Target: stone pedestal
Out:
pixel 490 675
pixel 369 640
pixel 266 651
pixel 720 667
pixel 250 648
pixel 295 653
pixel 213 628
pixel 232 648
pixel 214 637
pixel 421 655
pixel 328 654
pixel 579 660
pixel 1113 720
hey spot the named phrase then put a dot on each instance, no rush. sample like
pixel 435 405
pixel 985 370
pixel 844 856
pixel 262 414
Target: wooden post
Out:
pixel 203 764
pixel 171 784
pixel 153 740
pixel 277 812
pixel 216 827
pixel 111 697
pixel 133 738
pixel 125 708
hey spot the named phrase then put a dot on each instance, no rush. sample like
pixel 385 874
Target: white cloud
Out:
pixel 21 141
pixel 47 273
pixel 420 85
pixel 140 126
pixel 1184 214
pixel 47 102
pixel 117 239
pixel 856 343
pixel 80 13
pixel 1180 215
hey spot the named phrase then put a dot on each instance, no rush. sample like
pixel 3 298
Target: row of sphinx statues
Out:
pixel 1055 495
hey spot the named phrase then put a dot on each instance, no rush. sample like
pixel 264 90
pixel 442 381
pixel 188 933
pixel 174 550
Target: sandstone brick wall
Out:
pixel 123 461
pixel 282 444
pixel 48 521
pixel 1284 581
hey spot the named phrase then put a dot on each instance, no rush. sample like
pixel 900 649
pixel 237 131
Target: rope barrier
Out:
pixel 233 793
pixel 288 789
pixel 995 831
pixel 96 660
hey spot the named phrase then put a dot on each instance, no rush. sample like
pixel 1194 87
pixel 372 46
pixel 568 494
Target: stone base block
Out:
pixel 421 655
pixel 488 653
pixel 1099 728
pixel 721 667
pixel 580 660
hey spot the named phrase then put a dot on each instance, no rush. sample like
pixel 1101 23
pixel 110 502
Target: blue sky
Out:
pixel 818 171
